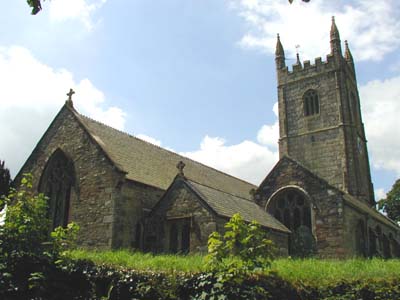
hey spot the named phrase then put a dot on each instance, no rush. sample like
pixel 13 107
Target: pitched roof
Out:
pixel 225 204
pixel 153 165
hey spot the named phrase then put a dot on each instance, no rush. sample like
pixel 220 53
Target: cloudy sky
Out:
pixel 193 76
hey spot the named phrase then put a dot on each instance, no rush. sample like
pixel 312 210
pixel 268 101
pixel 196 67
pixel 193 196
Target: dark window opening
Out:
pixel 185 238
pixel 294 211
pixel 173 238
pixel 311 103
pixel 360 239
pixel 58 183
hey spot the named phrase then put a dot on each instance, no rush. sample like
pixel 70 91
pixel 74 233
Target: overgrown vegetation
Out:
pixel 27 249
pixel 37 265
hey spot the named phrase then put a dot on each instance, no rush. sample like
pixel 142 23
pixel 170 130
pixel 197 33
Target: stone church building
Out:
pixel 125 192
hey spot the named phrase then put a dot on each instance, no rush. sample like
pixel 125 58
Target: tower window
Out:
pixel 311 103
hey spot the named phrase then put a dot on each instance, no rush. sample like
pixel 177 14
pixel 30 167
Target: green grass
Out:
pixel 141 261
pixel 322 272
pixel 308 270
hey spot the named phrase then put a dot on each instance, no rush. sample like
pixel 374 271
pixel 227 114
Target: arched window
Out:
pixel 360 239
pixel 173 238
pixel 354 108
pixel 58 183
pixel 292 209
pixel 311 103
pixel 386 247
pixel 139 236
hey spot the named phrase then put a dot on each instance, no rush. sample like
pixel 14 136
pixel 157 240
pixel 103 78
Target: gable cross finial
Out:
pixel 180 166
pixel 69 100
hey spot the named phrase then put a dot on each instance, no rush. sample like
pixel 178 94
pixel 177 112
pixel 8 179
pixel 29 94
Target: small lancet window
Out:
pixel 311 103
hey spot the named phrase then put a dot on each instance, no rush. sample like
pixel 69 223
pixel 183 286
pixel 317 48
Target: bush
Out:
pixel 27 250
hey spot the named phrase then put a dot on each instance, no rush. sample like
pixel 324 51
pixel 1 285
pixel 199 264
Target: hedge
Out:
pixel 35 277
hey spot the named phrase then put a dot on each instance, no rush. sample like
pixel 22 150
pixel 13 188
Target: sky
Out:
pixel 196 77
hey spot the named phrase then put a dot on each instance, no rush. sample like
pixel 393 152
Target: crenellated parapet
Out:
pixel 333 61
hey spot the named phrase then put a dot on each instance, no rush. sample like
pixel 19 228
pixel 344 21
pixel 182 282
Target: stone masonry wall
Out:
pixel 136 200
pixel 181 203
pixel 326 205
pixel 92 204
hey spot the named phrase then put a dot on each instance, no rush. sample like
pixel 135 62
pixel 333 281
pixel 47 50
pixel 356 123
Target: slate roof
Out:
pixel 225 204
pixel 155 166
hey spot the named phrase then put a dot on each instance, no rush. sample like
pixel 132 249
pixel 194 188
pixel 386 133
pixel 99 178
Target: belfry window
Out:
pixel 58 184
pixel 311 103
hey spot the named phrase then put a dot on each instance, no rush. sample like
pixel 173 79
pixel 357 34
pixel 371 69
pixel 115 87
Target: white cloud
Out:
pixel 247 160
pixel 269 134
pixel 381 110
pixel 82 10
pixel 379 194
pixel 372 27
pixel 149 139
pixel 31 95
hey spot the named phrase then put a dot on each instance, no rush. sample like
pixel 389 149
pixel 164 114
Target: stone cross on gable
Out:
pixel 69 100
pixel 180 166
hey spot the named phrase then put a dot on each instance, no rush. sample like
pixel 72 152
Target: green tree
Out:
pixel 391 204
pixel 5 181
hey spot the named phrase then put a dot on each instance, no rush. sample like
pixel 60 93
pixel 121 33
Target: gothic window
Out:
pixel 360 238
pixel 372 242
pixel 292 209
pixel 386 247
pixel 173 238
pixel 311 103
pixel 139 236
pixel 185 238
pixel 179 235
pixel 58 184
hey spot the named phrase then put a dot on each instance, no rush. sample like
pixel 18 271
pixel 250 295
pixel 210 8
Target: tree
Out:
pixel 5 181
pixel 391 204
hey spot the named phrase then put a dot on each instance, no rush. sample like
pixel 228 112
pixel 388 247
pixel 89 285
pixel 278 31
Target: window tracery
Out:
pixel 57 183
pixel 311 103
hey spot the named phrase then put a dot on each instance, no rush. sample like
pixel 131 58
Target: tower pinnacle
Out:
pixel 279 54
pixel 335 39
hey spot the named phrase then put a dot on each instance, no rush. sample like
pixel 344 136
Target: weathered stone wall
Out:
pixel 326 204
pixel 136 200
pixel 92 203
pixel 352 217
pixel 331 143
pixel 181 203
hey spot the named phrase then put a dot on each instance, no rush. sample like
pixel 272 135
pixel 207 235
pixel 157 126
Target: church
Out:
pixel 127 193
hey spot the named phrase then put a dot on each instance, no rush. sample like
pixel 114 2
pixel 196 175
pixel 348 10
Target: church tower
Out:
pixel 320 123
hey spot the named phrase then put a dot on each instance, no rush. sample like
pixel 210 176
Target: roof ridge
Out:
pixel 161 148
pixel 225 192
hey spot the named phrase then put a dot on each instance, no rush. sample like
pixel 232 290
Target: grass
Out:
pixel 142 261
pixel 307 270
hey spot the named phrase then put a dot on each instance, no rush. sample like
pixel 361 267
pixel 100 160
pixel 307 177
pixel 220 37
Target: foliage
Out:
pixel 303 243
pixel 391 204
pixel 5 181
pixel 35 5
pixel 26 227
pixel 244 251
pixel 27 253
pixel 244 246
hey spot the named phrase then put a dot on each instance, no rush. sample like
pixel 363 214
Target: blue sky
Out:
pixel 197 77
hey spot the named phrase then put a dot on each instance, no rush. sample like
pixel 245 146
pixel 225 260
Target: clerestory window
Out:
pixel 311 103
